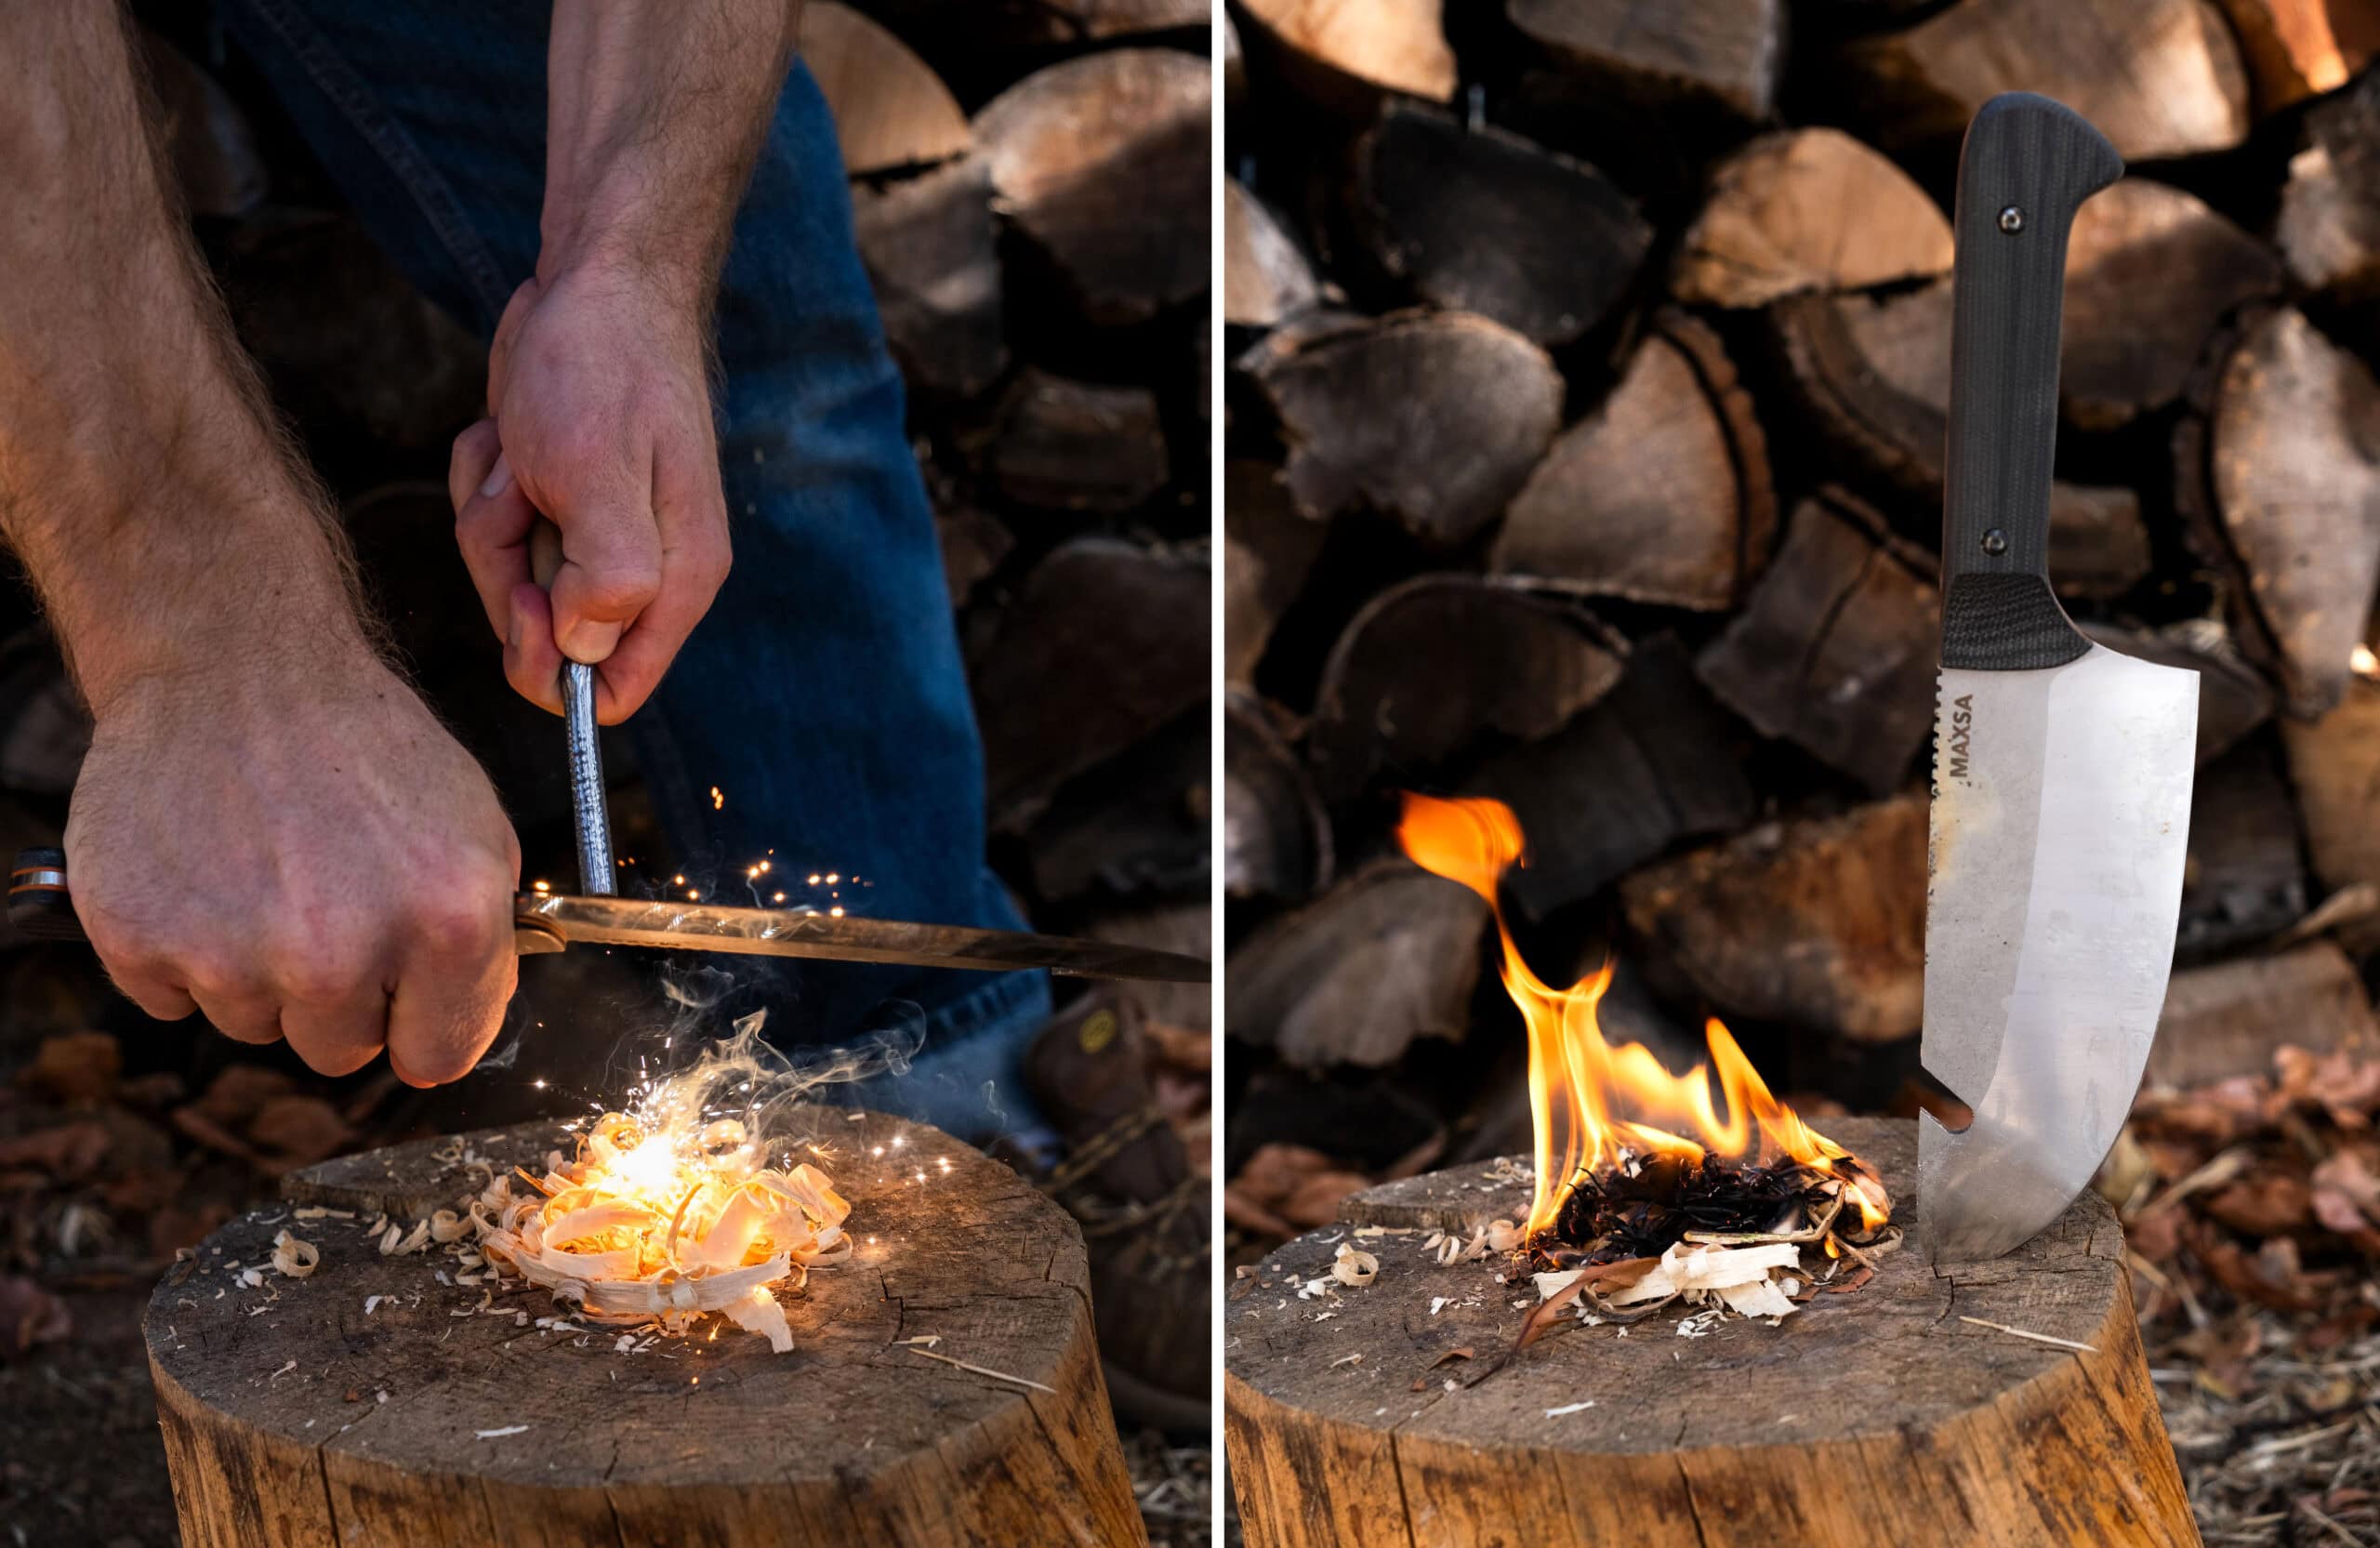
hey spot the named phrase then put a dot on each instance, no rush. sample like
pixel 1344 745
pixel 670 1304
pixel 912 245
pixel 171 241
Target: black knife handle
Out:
pixel 2026 167
pixel 38 904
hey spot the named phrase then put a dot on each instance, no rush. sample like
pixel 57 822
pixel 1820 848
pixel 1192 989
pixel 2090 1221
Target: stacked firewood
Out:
pixel 1588 371
pixel 1031 184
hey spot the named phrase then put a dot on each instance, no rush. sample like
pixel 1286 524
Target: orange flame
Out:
pixel 1579 1085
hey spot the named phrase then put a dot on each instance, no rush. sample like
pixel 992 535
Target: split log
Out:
pixel 2300 48
pixel 2229 1018
pixel 2158 78
pixel 1431 418
pixel 208 139
pixel 2098 545
pixel 1400 46
pixel 1104 642
pixel 1814 922
pixel 1429 670
pixel 891 109
pixel 1388 955
pixel 2245 881
pixel 1235 67
pixel 933 255
pixel 1722 53
pixel 1871 374
pixel 1077 445
pixel 2282 467
pixel 2149 272
pixel 1807 209
pixel 320 1422
pixel 2233 698
pixel 2334 766
pixel 1102 161
pixel 1082 21
pixel 1653 761
pixel 369 365
pixel 1835 650
pixel 1269 549
pixel 1484 221
pixel 1743 1436
pixel 1662 494
pixel 974 544
pixel 1267 275
pixel 1135 826
pixel 1277 837
pixel 2328 224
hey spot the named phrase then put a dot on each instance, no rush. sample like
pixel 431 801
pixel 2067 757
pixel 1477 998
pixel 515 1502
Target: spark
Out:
pixel 834 913
pixel 694 895
pixel 814 879
pixel 717 801
pixel 539 1084
pixel 778 897
pixel 832 878
pixel 542 886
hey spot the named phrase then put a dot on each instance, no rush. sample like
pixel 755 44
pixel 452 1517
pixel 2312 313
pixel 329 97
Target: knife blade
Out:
pixel 2062 770
pixel 41 906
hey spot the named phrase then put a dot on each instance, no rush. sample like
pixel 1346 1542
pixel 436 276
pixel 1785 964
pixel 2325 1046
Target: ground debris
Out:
pixel 2251 1226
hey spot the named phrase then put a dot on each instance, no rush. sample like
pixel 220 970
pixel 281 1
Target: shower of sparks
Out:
pixel 717 801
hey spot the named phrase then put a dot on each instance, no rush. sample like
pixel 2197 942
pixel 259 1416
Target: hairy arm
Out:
pixel 270 826
pixel 599 404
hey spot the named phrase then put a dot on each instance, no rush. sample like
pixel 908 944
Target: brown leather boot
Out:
pixel 1143 1208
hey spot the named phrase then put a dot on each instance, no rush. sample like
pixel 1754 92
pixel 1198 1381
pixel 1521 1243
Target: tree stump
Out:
pixel 1871 1417
pixel 371 1404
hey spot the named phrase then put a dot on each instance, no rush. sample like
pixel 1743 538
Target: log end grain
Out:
pixel 427 1416
pixel 1877 1416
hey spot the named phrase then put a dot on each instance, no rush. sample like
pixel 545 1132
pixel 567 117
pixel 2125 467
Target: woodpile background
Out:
pixel 1031 187
pixel 1587 377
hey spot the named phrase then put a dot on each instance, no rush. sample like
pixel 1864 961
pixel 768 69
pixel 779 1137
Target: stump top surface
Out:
pixel 425 1380
pixel 1889 1358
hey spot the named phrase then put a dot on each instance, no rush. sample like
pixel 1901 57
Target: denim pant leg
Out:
pixel 823 698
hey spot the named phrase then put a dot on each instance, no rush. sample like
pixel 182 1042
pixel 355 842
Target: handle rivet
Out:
pixel 1995 542
pixel 2012 221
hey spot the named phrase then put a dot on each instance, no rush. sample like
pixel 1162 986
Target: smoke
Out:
pixel 694 1079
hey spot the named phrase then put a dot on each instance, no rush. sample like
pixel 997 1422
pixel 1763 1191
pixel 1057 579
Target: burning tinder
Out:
pixel 668 1212
pixel 1631 1160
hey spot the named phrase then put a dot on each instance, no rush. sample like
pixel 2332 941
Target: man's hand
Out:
pixel 598 397
pixel 270 826
pixel 602 425
pixel 300 850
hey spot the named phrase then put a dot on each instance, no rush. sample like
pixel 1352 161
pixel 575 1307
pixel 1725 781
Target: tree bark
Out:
pixel 420 1420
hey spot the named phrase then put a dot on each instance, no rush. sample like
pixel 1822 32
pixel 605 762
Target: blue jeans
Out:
pixel 823 694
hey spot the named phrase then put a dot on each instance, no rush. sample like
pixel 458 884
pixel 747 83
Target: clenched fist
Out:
pixel 300 850
pixel 599 422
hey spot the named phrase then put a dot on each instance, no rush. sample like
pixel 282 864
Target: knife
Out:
pixel 2062 769
pixel 41 906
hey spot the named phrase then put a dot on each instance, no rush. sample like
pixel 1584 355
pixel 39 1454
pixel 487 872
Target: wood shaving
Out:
pixel 982 1370
pixel 2037 1338
pixel 649 1229
pixel 1353 1266
pixel 295 1258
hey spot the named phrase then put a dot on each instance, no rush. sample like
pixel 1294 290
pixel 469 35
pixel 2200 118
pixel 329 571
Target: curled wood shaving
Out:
pixel 1352 1265
pixel 295 1258
pixel 664 1236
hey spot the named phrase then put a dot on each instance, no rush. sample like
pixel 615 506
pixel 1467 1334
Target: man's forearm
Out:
pixel 140 480
pixel 656 113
